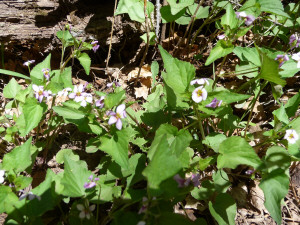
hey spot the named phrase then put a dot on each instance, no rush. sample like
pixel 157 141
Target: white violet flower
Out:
pixel 291 136
pixel 199 94
pixel 297 58
pixel 2 172
pixel 85 212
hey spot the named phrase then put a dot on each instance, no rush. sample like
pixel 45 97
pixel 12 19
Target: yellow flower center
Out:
pixel 291 136
pixel 199 92
pixel 118 116
pixel 78 93
pixel 40 92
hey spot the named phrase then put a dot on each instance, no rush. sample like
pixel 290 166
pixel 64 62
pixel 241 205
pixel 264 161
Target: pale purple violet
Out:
pixel 85 98
pixel 117 84
pixel 85 212
pixel 115 117
pixel 95 46
pixel 100 102
pixel 27 63
pixel 201 81
pixel 91 183
pixel 28 195
pixel 40 93
pixel 214 103
pixel 294 41
pixel 221 36
pixel 281 59
pixel 144 205
pixel 249 19
pixel 182 182
pixel 64 92
pixel 77 93
pixel 46 73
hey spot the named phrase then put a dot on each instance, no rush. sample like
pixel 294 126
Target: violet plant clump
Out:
pixel 220 112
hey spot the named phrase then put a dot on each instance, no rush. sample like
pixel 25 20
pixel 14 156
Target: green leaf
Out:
pixel 85 61
pixel 281 115
pixel 202 12
pixel 205 192
pixel 289 69
pixel 292 105
pixel 229 19
pixel 204 163
pixel 178 140
pixel 7 198
pixel 164 165
pixel 221 181
pixel 178 5
pixel 251 7
pixel 11 89
pixel 277 158
pixel 221 49
pixel 214 140
pixel 275 186
pixel 117 146
pixel 248 54
pixel 272 6
pixel 114 99
pixel 69 113
pixel 135 9
pixel 236 151
pixel 65 36
pixel 22 94
pixel 179 74
pixel 36 73
pixel 151 38
pixel 223 209
pixel 69 152
pixel 33 113
pixel 270 70
pixel 19 159
pixel 167 16
pixel 154 71
pixel 75 175
pixel 11 73
pixel 22 182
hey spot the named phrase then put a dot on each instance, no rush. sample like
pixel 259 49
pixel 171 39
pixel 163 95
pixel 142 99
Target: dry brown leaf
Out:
pixel 145 75
pixel 141 92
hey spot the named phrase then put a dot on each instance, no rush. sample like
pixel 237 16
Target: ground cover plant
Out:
pixel 192 142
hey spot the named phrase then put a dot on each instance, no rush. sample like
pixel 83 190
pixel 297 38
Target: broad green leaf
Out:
pixel 19 159
pixel 178 140
pixel 277 158
pixel 117 146
pixel 154 71
pixel 151 38
pixel 136 165
pixel 201 13
pixel 289 69
pixel 214 140
pixel 55 87
pixel 229 19
pixel 178 5
pixel 11 89
pixel 236 151
pixel 85 61
pixel 124 5
pixel 114 99
pixel 292 105
pixel 179 74
pixel 154 101
pixel 66 37
pixel 65 77
pixel 33 113
pixel 75 175
pixel 270 70
pixel 7 197
pixel 48 197
pixel 223 209
pixel 69 152
pixel 22 94
pixel 107 193
pixel 22 182
pixel 164 165
pixel 167 16
pixel 11 73
pixel 205 192
pixel 221 49
pixel 204 163
pixel 248 54
pixel 246 69
pixel 272 6
pixel 281 115
pixel 221 181
pixel 36 73
pixel 275 186
pixel 69 113
pixel 251 7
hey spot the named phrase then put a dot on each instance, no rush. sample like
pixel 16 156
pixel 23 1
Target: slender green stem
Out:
pixel 199 121
pixel 251 111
